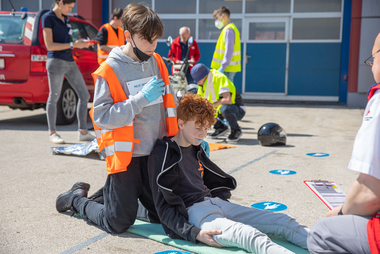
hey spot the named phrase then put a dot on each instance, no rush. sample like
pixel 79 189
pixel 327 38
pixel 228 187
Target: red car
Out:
pixel 23 77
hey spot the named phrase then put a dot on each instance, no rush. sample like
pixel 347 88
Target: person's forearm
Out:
pixel 57 46
pixel 230 43
pixel 105 48
pixel 223 101
pixel 110 115
pixel 361 199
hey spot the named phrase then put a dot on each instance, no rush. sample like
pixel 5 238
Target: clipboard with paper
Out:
pixel 328 192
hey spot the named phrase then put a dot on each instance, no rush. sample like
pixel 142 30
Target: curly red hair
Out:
pixel 193 107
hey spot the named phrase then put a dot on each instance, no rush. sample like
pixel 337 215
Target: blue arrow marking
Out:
pixel 270 206
pixel 282 172
pixel 318 154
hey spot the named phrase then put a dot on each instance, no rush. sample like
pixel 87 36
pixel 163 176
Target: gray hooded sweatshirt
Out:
pixel 149 124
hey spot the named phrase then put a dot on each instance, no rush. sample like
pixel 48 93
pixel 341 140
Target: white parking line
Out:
pixel 249 163
pixel 86 243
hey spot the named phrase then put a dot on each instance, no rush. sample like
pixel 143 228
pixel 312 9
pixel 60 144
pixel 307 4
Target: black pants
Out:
pixel 120 194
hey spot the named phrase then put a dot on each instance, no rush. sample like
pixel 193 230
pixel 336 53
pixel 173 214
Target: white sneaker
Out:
pixel 87 137
pixel 56 139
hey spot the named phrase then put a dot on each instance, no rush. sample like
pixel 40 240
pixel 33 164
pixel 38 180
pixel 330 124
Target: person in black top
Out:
pixel 115 23
pixel 190 192
pixel 60 64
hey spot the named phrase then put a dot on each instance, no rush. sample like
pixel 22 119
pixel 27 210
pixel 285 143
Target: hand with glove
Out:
pixel 153 89
pixel 206 147
pixel 221 70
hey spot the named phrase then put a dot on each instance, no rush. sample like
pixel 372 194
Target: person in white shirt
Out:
pixel 357 230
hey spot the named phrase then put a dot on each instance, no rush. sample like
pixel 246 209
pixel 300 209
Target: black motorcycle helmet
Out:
pixel 271 134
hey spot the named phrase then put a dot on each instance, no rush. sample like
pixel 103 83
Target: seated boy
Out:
pixel 190 192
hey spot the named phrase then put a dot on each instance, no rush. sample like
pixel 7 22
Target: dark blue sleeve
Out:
pixel 47 21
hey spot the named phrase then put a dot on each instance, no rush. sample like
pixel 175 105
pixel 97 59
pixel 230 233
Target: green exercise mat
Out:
pixel 156 232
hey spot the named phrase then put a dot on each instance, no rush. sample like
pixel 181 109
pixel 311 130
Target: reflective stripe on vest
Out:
pixel 169 103
pixel 212 85
pixel 220 50
pixel 113 41
pixel 117 144
pixel 210 88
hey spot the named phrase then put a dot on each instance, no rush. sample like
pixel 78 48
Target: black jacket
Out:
pixel 163 171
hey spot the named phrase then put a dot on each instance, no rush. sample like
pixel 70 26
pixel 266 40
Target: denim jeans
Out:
pixel 230 76
pixel 245 227
pixel 232 113
pixel 57 69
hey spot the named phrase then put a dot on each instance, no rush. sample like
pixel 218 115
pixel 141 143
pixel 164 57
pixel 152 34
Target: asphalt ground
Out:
pixel 31 177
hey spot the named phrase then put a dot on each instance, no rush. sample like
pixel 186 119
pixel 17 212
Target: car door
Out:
pixel 86 58
pixel 14 54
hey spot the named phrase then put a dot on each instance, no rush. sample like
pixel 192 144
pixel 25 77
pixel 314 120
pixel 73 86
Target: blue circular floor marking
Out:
pixel 318 154
pixel 270 206
pixel 172 252
pixel 283 172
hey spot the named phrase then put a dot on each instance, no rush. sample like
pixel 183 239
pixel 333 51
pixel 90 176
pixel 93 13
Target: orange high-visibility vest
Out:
pixel 117 144
pixel 113 41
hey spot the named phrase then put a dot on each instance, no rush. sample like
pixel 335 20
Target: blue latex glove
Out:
pixel 221 70
pixel 153 89
pixel 206 147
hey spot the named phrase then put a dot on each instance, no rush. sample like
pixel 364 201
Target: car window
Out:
pixel 92 33
pixel 78 31
pixel 12 29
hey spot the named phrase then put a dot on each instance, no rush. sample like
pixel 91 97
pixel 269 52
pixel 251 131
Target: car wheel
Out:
pixel 67 105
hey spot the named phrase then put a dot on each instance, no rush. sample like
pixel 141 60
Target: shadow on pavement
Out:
pixel 36 123
pixel 300 135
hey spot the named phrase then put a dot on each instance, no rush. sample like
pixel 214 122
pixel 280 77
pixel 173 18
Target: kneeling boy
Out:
pixel 190 192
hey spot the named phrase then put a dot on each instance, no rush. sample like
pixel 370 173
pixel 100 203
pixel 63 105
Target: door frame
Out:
pixel 246 22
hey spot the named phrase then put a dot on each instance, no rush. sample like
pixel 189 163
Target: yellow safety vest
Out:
pixel 117 144
pixel 220 50
pixel 212 85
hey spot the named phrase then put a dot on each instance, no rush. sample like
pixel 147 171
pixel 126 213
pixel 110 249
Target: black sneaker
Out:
pixel 65 200
pixel 97 196
pixel 219 132
pixel 235 135
pixel 218 125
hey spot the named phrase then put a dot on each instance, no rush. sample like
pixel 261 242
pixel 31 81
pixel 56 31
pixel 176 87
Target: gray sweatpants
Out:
pixel 245 227
pixel 339 234
pixel 57 69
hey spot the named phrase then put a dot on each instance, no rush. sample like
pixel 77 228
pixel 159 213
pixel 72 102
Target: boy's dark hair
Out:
pixel 142 20
pixel 65 1
pixel 220 11
pixel 117 12
pixel 193 107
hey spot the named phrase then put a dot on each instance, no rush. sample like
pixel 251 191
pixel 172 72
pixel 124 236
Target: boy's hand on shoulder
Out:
pixel 153 89
pixel 205 236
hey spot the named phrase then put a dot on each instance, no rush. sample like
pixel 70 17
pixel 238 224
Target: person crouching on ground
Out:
pixel 227 101
pixel 190 192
